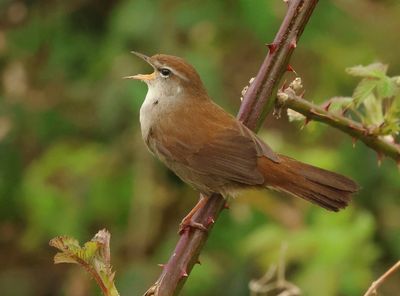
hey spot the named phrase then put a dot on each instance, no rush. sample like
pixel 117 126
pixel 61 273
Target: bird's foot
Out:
pixel 188 223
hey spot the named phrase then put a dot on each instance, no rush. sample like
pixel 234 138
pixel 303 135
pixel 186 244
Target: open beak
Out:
pixel 143 77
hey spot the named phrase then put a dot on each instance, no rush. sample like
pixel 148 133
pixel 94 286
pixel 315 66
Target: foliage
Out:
pixel 326 244
pixel 72 159
pixel 379 95
pixel 94 256
pixel 375 101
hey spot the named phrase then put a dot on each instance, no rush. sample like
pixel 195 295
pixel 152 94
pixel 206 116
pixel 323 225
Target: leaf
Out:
pixel 363 90
pixel 386 88
pixel 376 70
pixel 65 243
pixel 338 104
pixel 94 256
pixel 392 118
pixel 374 114
pixel 64 258
pixel 294 115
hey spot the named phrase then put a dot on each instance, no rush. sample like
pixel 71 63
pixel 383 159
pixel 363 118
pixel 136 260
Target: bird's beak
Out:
pixel 143 77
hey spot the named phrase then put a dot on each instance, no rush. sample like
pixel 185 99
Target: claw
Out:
pixel 187 224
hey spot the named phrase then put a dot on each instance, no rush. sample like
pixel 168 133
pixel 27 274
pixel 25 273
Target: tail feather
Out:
pixel 324 188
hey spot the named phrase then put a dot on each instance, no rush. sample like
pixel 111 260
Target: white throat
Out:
pixel 157 104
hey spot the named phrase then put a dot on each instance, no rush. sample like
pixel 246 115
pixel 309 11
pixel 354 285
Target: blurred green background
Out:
pixel 72 160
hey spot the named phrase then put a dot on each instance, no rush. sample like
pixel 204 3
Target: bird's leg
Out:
pixel 188 220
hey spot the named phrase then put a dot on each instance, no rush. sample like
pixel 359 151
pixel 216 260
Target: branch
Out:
pixel 288 98
pixel 375 285
pixel 259 100
pixel 257 103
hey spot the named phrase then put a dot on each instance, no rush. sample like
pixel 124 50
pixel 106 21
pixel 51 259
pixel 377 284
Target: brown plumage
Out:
pixel 212 151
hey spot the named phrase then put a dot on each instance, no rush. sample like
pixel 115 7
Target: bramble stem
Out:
pixel 351 127
pixel 257 103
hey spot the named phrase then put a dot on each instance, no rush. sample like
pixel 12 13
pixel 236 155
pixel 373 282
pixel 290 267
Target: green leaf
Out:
pixel 392 118
pixel 363 90
pixel 386 88
pixel 339 104
pixel 94 256
pixel 376 70
pixel 374 114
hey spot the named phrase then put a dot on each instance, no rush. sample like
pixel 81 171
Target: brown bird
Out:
pixel 214 152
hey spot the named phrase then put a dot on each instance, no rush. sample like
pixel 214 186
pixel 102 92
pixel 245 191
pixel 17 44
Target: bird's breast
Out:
pixel 158 118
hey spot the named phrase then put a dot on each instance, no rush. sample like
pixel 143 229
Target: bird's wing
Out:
pixel 232 155
pixel 213 144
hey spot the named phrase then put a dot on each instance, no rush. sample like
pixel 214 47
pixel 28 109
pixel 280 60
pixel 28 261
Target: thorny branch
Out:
pixel 288 98
pixel 257 103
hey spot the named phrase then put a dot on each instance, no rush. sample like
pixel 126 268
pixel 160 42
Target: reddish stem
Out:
pixel 257 103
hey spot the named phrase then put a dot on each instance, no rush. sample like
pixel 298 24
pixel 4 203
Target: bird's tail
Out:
pixel 324 188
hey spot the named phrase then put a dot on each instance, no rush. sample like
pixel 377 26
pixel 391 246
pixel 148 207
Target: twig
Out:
pixel 280 286
pixel 257 103
pixel 288 98
pixel 375 285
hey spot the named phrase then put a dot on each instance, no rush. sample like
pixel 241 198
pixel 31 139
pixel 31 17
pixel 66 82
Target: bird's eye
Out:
pixel 165 72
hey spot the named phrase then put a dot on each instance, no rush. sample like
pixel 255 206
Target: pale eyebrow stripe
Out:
pixel 177 73
pixel 180 75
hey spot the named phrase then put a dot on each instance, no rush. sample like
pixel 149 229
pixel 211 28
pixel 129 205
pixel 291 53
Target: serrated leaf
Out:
pixel 89 250
pixel 392 117
pixel 385 88
pixel 94 256
pixel 374 114
pixel 64 258
pixel 376 70
pixel 363 90
pixel 64 243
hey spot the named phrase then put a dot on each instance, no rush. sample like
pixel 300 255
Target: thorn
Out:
pixel 198 262
pixel 327 105
pixel 184 273
pixel 306 121
pixel 380 157
pixel 290 69
pixel 293 44
pixel 226 206
pixel 354 140
pixel 271 47
pixel 302 94
pixel 161 265
pixel 210 220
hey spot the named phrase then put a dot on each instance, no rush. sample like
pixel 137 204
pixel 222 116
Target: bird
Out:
pixel 213 152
